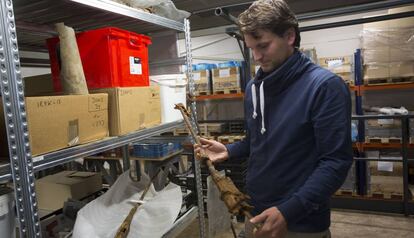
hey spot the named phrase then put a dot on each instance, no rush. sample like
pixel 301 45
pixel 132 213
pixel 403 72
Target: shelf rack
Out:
pixel 25 26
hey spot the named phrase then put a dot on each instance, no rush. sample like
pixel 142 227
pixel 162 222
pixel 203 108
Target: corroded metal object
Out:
pixel 235 200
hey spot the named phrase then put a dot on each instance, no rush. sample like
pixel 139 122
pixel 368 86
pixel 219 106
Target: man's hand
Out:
pixel 215 150
pixel 274 224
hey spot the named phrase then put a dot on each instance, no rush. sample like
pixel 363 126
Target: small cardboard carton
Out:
pixel 53 190
pixel 132 108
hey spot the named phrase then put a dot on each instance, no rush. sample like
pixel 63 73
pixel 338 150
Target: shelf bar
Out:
pixel 372 87
pixel 220 96
pixel 69 154
pixel 117 8
pixel 182 223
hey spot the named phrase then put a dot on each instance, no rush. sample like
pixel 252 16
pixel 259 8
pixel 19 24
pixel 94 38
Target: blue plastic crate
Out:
pixel 155 150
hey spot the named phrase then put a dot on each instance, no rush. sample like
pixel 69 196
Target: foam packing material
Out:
pixel 102 217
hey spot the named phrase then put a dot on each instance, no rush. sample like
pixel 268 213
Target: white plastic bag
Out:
pixel 167 9
pixel 102 217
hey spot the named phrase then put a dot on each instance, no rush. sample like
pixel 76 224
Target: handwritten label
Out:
pixel 98 123
pixel 49 103
pixel 124 92
pixel 97 104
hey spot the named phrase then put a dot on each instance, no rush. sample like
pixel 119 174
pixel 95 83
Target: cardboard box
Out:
pixel 131 109
pixel 38 85
pixel 402 69
pixel 57 122
pixel 376 71
pixel 226 79
pixel 53 190
pixel 202 81
pixel 386 184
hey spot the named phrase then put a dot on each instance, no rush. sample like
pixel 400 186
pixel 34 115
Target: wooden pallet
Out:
pixel 229 138
pixel 384 195
pixel 180 132
pixel 345 193
pixel 383 140
pixel 227 91
pixel 200 93
pixel 386 81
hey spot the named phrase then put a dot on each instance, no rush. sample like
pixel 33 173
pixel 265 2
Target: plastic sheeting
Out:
pixel 219 217
pixel 102 217
pixel 164 8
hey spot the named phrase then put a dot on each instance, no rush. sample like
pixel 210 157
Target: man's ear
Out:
pixel 290 35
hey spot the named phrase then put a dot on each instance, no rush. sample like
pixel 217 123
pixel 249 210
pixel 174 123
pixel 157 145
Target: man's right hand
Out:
pixel 215 150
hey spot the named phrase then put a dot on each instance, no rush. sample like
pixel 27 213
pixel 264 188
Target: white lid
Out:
pixel 168 77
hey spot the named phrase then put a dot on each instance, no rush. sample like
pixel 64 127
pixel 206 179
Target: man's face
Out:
pixel 270 50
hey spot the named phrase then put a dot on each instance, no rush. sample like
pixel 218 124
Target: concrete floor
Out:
pixel 347 224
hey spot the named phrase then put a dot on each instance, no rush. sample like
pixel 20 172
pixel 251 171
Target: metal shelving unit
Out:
pixel 32 22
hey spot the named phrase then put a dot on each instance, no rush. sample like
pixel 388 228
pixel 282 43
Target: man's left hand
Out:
pixel 274 224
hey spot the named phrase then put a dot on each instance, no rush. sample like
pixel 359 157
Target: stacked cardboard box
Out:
pixel 383 130
pixel 226 80
pixel 385 177
pixel 202 82
pixel 340 65
pixel 388 50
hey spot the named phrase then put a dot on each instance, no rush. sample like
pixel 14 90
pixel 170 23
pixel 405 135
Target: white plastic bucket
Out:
pixel 7 214
pixel 172 91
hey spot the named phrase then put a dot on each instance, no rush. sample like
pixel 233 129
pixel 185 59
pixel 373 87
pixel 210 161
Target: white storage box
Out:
pixel 7 214
pixel 172 91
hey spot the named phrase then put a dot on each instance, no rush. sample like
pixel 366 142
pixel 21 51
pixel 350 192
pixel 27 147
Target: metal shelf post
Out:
pixel 17 132
pixel 191 90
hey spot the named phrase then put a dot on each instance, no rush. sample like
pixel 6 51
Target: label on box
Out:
pixel 135 66
pixel 385 166
pixel 386 121
pixel 334 63
pixel 196 76
pixel 224 73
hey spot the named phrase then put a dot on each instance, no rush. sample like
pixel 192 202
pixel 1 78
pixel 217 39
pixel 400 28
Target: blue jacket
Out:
pixel 301 151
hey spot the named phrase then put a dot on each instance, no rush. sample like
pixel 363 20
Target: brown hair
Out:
pixel 271 15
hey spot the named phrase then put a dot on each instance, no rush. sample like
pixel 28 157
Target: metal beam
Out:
pixel 357 21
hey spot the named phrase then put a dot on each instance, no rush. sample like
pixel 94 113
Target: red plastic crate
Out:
pixel 111 57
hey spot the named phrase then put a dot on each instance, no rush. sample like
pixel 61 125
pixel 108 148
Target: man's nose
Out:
pixel 257 55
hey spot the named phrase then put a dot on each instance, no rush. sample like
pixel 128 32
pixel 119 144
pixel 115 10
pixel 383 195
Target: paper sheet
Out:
pixel 102 217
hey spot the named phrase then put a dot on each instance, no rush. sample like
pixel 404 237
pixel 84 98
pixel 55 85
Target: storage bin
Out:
pixel 110 57
pixel 155 150
pixel 172 91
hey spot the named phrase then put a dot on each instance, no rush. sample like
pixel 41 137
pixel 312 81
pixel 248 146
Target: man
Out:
pixel 298 129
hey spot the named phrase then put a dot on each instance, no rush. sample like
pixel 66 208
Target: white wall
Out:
pixel 328 42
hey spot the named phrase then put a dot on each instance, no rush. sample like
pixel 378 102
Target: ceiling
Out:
pixel 203 10
pixel 35 19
